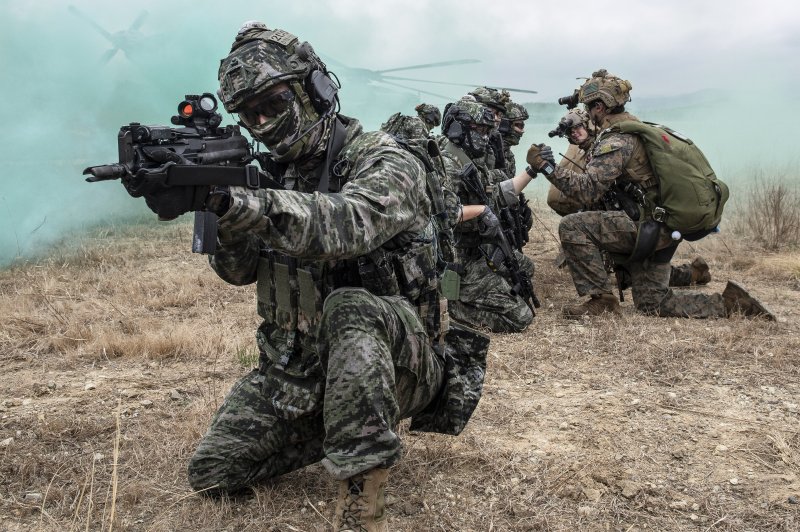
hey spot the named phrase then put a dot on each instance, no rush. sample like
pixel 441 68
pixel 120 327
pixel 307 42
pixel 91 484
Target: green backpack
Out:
pixel 690 198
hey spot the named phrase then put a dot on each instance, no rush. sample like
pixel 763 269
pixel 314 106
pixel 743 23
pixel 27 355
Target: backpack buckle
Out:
pixel 659 214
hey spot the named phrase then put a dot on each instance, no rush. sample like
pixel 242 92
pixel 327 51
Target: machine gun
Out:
pixel 521 284
pixel 197 156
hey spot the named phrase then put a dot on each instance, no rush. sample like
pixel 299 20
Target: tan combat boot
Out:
pixel 594 307
pixel 360 507
pixel 700 273
pixel 737 299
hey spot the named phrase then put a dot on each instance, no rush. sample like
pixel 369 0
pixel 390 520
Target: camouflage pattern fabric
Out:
pixel 334 379
pixel 407 127
pixel 583 235
pixel 485 301
pixel 681 275
pixel 465 367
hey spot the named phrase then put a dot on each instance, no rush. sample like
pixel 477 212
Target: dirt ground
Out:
pixel 117 350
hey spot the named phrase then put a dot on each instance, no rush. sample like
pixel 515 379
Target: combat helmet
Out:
pixel 429 114
pixel 261 58
pixel 494 98
pixel 611 90
pixel 514 113
pixel 468 123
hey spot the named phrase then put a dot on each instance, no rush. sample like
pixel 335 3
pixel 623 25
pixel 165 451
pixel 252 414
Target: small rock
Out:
pixel 130 393
pixel 559 394
pixel 175 395
pixel 587 511
pixel 694 517
pixel 635 402
pixel 89 386
pixel 33 497
pixel 98 456
pixel 695 507
pixel 734 481
pixel 678 505
pixel 629 489
pixel 720 448
pixel 147 403
pixel 390 500
pixel 51 385
pixel 672 395
pixel 793 500
pixel 6 442
pixel 592 494
pixel 563 426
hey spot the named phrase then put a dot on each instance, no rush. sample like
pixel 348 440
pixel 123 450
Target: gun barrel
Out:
pixel 105 172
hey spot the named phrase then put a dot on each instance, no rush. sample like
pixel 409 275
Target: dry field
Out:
pixel 116 351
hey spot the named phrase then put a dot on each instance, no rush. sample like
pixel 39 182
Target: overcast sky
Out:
pixel 64 106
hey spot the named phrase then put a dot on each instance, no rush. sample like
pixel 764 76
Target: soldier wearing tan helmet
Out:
pixel 620 159
pixel 581 133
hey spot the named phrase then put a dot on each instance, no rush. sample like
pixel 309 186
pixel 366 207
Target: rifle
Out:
pixel 199 155
pixel 521 284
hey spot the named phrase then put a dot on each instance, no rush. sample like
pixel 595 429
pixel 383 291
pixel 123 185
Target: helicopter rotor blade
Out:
pixel 139 21
pixel 106 57
pixel 430 65
pixel 83 16
pixel 442 96
pixel 509 89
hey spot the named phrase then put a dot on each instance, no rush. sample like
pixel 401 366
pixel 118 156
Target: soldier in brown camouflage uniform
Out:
pixel 581 134
pixel 355 334
pixel 618 157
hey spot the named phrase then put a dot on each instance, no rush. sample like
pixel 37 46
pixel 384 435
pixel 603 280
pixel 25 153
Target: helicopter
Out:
pixel 124 40
pixel 376 94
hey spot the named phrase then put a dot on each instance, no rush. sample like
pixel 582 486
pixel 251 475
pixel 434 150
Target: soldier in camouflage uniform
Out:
pixel 618 157
pixel 429 114
pixel 496 101
pixel 353 331
pixel 581 134
pixel 486 299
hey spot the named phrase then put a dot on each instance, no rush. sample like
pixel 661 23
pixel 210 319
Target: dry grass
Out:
pixel 626 423
pixel 769 211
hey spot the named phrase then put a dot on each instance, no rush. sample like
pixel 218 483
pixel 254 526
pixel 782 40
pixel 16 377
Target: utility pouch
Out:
pixel 376 271
pixel 450 285
pixel 464 371
pixel 293 384
pixel 416 270
pixel 265 290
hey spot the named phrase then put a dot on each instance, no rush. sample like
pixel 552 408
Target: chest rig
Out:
pixel 291 291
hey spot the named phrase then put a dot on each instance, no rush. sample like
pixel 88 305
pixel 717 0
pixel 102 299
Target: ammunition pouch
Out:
pixel 464 371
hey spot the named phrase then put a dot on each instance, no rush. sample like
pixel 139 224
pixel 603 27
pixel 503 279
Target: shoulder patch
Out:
pixel 603 149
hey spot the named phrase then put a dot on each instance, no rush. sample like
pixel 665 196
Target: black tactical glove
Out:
pixel 489 226
pixel 171 202
pixel 219 200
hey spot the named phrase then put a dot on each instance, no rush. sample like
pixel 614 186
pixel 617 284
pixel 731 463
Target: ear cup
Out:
pixel 322 90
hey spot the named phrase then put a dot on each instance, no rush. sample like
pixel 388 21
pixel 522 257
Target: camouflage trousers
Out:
pixel 486 300
pixel 583 236
pixel 378 367
pixel 681 275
